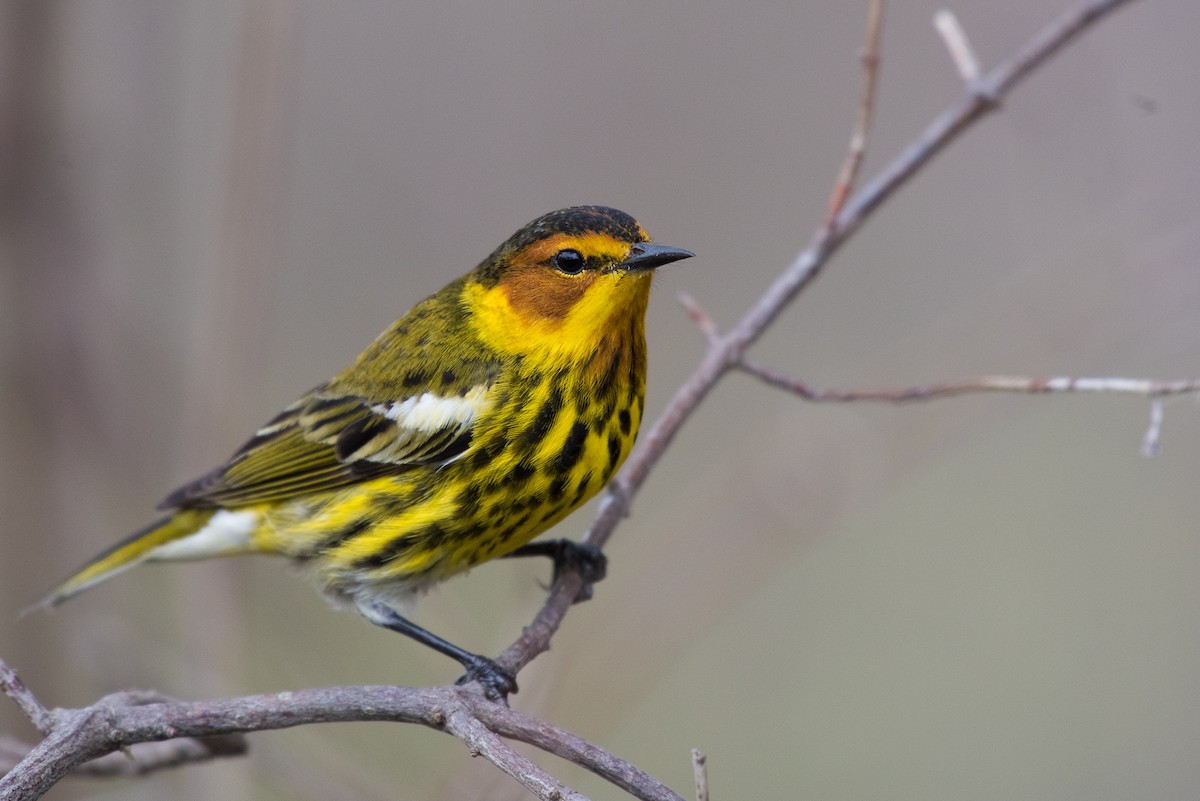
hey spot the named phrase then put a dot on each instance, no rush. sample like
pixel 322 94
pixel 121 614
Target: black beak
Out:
pixel 646 256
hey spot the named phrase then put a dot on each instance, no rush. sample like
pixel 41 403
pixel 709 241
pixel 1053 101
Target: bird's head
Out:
pixel 576 275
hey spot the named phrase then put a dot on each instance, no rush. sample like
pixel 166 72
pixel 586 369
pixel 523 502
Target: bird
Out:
pixel 474 423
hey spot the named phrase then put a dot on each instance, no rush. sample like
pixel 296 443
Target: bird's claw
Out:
pixel 587 560
pixel 497 682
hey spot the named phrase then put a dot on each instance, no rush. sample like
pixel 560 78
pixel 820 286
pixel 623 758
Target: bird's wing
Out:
pixel 330 439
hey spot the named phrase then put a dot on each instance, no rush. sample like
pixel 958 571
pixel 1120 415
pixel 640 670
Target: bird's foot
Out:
pixel 497 682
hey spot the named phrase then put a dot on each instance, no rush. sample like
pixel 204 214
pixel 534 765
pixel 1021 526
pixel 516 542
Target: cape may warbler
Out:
pixel 474 423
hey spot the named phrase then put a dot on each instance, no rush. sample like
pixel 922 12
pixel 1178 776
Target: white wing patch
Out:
pixel 226 532
pixel 429 413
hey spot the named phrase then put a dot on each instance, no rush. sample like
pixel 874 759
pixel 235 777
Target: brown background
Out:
pixel 211 207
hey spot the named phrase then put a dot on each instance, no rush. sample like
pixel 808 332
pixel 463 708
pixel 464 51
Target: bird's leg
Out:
pixel 588 560
pixel 497 682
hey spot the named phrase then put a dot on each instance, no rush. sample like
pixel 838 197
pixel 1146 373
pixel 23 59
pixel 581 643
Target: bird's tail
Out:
pixel 133 550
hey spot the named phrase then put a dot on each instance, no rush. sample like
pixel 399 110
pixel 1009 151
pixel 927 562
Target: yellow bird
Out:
pixel 474 423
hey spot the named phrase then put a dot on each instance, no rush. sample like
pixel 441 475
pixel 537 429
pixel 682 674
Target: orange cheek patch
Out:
pixel 535 292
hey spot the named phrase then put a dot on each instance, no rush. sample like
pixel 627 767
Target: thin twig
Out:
pixel 857 148
pixel 700 317
pixel 993 383
pixel 1150 441
pixel 1154 390
pixel 700 771
pixel 12 686
pixel 961 52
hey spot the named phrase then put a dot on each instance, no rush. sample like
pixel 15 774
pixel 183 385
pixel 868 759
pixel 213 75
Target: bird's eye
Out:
pixel 569 262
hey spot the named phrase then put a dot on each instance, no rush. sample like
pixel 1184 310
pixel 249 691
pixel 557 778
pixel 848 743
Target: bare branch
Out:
pixel 857 149
pixel 12 686
pixel 140 758
pixel 113 723
pixel 125 719
pixel 700 317
pixel 973 386
pixel 1154 390
pixel 961 52
pixel 1150 442
pixel 700 771
pixel 464 725
pixel 574 748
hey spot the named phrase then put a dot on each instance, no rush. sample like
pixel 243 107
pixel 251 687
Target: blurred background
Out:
pixel 209 208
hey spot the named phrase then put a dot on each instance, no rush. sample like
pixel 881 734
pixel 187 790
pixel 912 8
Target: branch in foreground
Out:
pixel 136 759
pixel 123 719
